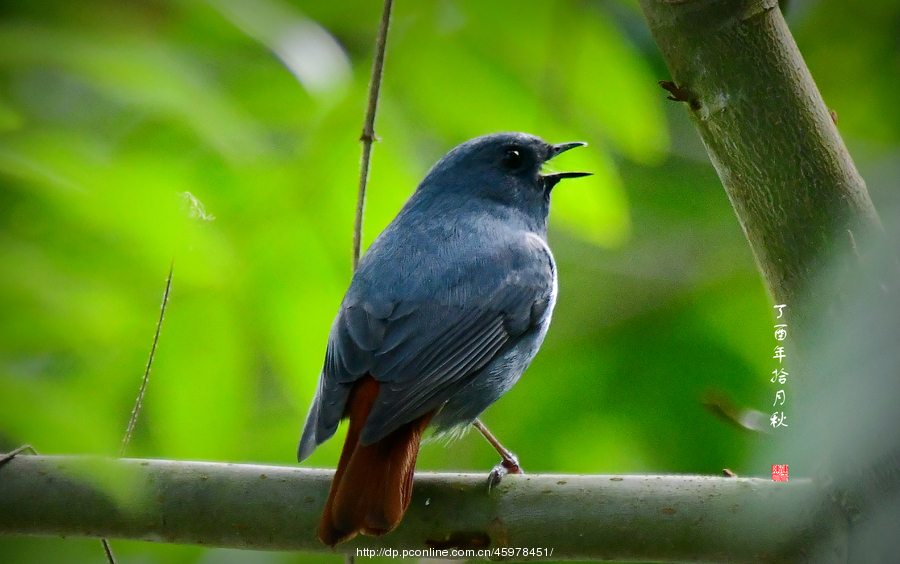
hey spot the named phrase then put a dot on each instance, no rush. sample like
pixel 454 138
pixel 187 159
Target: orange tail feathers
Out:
pixel 372 484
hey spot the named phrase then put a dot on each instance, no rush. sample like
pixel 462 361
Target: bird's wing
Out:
pixel 426 368
pixel 422 347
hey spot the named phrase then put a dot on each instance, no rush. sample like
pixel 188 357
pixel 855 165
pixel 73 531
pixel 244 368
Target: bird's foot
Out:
pixel 509 462
pixel 509 465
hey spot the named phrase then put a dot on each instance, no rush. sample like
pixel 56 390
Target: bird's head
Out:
pixel 501 167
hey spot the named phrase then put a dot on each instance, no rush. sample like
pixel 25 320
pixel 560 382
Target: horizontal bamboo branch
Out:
pixel 637 518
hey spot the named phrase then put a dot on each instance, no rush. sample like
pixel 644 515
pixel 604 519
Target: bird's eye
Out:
pixel 512 158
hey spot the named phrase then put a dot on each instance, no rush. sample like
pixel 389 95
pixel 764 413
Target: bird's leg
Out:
pixel 509 463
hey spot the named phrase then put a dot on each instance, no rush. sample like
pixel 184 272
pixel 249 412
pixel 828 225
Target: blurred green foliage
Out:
pixel 110 111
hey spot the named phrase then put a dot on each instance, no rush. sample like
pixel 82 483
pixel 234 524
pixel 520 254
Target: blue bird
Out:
pixel 444 313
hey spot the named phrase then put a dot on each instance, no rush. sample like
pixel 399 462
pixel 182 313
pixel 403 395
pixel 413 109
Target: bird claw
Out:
pixel 504 467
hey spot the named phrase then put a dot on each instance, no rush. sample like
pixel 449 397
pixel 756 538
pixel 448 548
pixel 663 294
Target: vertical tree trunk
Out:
pixel 769 135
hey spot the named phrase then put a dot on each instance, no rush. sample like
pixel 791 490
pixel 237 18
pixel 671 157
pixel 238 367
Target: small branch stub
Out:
pixel 680 94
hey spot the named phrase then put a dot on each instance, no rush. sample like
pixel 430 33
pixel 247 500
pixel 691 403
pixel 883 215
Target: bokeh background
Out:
pixel 110 111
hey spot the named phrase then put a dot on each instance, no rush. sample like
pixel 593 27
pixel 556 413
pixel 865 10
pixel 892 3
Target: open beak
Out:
pixel 551 179
pixel 563 147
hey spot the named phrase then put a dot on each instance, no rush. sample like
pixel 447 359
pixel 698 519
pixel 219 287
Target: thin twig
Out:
pixel 368 133
pixel 137 404
pixel 6 457
pixel 108 551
